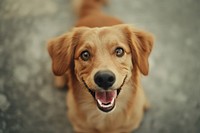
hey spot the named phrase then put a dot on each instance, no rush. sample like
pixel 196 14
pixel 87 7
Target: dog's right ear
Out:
pixel 61 50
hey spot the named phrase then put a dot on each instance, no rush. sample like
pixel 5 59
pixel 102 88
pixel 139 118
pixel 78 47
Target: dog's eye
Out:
pixel 85 55
pixel 119 52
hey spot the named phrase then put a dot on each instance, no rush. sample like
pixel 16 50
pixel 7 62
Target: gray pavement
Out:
pixel 29 103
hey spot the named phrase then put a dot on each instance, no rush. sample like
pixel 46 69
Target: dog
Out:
pixel 103 61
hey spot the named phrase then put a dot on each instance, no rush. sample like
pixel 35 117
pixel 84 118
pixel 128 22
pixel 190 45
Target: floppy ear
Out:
pixel 61 50
pixel 141 43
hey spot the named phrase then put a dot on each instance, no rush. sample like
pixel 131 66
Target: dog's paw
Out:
pixel 59 82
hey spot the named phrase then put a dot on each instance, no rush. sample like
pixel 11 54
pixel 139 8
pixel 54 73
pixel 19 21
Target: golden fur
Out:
pixel 101 40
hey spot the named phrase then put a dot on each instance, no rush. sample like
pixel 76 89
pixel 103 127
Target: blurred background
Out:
pixel 29 102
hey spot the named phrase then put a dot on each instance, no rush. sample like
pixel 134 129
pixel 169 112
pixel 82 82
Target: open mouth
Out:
pixel 105 99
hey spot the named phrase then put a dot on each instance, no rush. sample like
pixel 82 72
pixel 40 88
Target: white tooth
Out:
pixel 106 106
pixel 112 101
pixel 99 102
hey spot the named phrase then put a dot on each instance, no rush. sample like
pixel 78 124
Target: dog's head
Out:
pixel 102 59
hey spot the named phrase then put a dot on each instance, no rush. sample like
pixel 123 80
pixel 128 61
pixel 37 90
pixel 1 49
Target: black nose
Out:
pixel 104 79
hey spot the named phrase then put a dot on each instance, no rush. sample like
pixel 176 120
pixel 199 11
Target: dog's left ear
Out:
pixel 141 43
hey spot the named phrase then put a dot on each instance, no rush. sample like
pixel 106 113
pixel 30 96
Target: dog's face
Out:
pixel 103 63
pixel 102 59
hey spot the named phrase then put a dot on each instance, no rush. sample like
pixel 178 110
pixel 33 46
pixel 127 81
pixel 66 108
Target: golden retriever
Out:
pixel 103 60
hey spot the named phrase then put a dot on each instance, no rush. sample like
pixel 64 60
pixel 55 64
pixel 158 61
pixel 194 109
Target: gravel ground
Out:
pixel 29 103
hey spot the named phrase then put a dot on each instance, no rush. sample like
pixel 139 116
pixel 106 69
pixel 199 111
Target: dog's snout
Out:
pixel 104 79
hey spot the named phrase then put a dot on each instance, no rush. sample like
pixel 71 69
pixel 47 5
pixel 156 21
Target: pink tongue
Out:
pixel 106 96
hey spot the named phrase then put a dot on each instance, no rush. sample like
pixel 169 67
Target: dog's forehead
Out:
pixel 104 34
